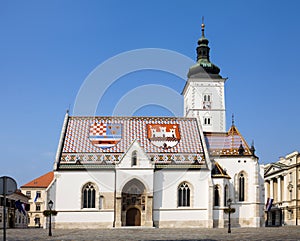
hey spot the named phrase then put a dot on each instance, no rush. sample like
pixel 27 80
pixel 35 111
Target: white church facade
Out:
pixel 159 171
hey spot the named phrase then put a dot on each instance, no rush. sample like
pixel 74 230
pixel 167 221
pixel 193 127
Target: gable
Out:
pixel 135 157
pixel 274 168
pixel 227 144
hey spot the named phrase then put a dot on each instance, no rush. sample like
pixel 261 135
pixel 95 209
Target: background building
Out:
pixel 36 191
pixel 282 187
pixel 16 210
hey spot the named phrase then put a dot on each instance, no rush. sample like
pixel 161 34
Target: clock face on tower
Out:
pixel 207 105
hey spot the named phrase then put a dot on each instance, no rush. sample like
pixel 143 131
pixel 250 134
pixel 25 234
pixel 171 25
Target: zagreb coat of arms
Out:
pixel 163 135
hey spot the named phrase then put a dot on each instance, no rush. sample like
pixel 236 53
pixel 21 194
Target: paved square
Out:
pixel 147 234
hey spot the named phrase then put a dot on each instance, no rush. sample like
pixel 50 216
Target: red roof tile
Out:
pixel 184 146
pixel 42 181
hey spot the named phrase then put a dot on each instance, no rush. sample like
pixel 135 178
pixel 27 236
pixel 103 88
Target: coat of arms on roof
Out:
pixel 163 135
pixel 105 135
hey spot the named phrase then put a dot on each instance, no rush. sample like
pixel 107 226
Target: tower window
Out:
pixel 207 101
pixel 207 97
pixel 207 121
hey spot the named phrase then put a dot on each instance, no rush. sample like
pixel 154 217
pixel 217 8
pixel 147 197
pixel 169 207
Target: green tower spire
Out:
pixel 203 53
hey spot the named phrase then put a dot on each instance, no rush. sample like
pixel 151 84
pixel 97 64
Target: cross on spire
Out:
pixel 203 27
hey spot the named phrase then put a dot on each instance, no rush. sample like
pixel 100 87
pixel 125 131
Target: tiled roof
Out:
pixel 226 144
pixel 18 192
pixel 78 148
pixel 40 182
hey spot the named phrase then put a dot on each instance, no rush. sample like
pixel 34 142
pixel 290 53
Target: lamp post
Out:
pixel 50 205
pixel 229 211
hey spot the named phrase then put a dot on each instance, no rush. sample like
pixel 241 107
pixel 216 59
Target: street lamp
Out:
pixel 50 205
pixel 229 211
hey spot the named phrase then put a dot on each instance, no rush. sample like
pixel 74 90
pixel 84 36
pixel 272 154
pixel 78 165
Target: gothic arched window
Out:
pixel 89 196
pixel 134 158
pixel 183 195
pixel 216 196
pixel 241 187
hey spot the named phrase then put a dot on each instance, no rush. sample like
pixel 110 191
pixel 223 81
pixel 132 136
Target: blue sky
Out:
pixel 48 48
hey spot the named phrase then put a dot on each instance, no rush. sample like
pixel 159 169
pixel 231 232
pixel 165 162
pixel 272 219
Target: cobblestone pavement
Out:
pixel 147 234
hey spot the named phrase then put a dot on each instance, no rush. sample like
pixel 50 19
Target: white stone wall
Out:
pixel 164 183
pixel 248 212
pixel 165 208
pixel 68 199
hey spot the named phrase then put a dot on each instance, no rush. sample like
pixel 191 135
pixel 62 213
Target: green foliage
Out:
pixel 47 213
pixel 227 210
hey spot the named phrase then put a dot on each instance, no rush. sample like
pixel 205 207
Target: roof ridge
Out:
pixel 134 117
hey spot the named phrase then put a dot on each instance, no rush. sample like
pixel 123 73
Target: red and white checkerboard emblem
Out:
pixel 98 129
pixel 105 135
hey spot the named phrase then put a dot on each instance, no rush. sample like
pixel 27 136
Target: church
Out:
pixel 165 172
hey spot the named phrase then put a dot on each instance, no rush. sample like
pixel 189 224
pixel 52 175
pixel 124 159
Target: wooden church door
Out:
pixel 133 217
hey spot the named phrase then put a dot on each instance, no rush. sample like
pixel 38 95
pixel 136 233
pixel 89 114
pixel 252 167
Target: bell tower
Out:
pixel 204 90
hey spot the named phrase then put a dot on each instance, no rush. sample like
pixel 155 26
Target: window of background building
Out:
pixel 28 194
pixel 37 221
pixel 38 194
pixel 38 207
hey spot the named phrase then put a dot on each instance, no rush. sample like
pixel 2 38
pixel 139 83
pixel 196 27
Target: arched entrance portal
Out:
pixel 133 217
pixel 133 203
